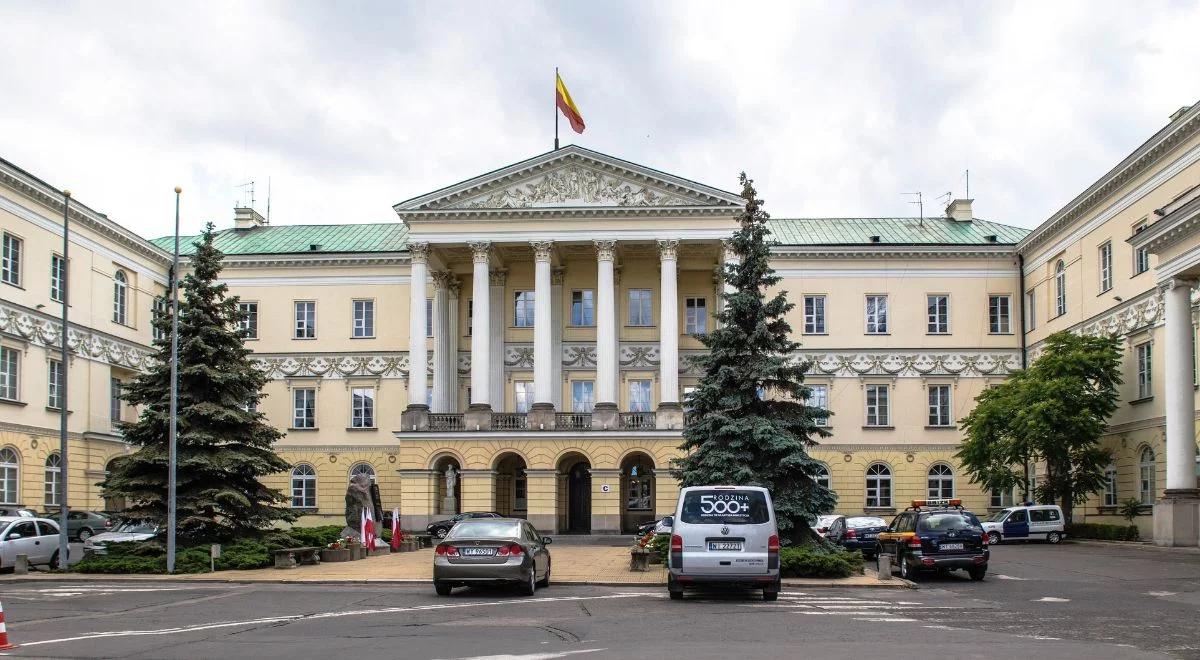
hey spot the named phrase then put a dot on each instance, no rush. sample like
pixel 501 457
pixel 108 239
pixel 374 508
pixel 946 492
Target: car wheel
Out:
pixel 994 538
pixel 977 573
pixel 903 566
pixel 442 588
pixel 529 587
pixel 54 560
pixel 1053 537
pixel 441 532
pixel 84 534
pixel 545 581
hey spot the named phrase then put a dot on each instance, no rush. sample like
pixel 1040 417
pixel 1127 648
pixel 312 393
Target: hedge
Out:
pixel 819 563
pixel 1102 532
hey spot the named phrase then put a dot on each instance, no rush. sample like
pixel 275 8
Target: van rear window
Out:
pixel 725 507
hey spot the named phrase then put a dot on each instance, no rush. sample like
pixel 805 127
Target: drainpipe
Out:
pixel 1024 352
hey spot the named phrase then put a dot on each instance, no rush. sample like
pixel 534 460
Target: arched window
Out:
pixel 113 503
pixel 120 296
pixel 304 487
pixel 53 480
pixel 363 468
pixel 1146 467
pixel 1060 288
pixel 10 473
pixel 941 481
pixel 879 486
pixel 821 475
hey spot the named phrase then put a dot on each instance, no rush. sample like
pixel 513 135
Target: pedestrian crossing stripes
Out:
pixel 867 609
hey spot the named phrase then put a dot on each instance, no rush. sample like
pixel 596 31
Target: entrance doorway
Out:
pixel 512 491
pixel 637 491
pixel 575 494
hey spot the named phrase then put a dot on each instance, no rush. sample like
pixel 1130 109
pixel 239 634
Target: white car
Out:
pixel 821 527
pixel 37 538
pixel 96 545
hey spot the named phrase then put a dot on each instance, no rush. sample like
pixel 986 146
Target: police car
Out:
pixel 936 535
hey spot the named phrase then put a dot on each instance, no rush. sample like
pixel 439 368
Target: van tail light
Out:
pixel 984 539
pixel 913 542
pixel 851 534
pixel 676 543
pixel 444 550
pixel 510 550
pixel 773 551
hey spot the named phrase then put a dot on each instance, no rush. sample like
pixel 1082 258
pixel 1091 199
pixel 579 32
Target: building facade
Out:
pixel 519 341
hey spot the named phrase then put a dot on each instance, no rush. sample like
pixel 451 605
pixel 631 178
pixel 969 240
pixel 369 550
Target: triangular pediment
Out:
pixel 571 177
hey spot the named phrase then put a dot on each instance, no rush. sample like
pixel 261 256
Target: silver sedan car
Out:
pixel 492 551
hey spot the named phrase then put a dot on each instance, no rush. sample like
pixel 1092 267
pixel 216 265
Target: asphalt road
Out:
pixel 1068 601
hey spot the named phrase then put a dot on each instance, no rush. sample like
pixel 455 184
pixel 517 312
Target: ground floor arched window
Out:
pixel 940 482
pixel 1146 469
pixel 304 487
pixel 53 481
pixel 879 486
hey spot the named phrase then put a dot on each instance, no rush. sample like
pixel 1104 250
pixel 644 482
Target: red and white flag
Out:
pixel 362 528
pixel 397 535
pixel 370 530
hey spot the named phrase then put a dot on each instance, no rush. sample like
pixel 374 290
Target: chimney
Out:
pixel 959 210
pixel 244 218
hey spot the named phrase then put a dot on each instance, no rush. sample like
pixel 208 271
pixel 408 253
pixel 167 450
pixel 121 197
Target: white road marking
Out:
pixel 1051 599
pixel 1011 577
pixel 1160 594
pixel 320 615
pixel 838 613
pixel 530 656
pixel 894 620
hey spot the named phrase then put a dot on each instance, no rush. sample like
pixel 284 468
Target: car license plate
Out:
pixel 725 545
pixel 479 552
pixel 952 546
pixel 870 537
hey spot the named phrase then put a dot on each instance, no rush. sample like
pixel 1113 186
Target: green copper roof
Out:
pixel 892 231
pixel 291 239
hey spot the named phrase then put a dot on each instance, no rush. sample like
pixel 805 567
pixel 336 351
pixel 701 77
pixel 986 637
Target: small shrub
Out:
pixel 1102 532
pixel 245 555
pixel 662 545
pixel 315 537
pixel 805 562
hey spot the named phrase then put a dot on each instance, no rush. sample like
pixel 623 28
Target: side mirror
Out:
pixel 546 540
pixel 669 521
pixel 12 537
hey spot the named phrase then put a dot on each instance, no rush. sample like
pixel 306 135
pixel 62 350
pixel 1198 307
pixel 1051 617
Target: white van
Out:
pixel 1028 522
pixel 724 535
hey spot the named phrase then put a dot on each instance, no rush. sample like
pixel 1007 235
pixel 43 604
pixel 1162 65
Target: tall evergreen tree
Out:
pixel 223 443
pixel 750 424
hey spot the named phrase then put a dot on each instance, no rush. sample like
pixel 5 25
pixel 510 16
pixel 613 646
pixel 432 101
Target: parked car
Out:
pixel 96 545
pixel 660 526
pixel 857 533
pixel 823 522
pixel 17 512
pixel 36 538
pixel 440 528
pixel 1028 522
pixel 492 550
pixel 936 535
pixel 83 525
pixel 724 535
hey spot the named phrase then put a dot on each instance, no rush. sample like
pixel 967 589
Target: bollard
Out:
pixel 4 643
pixel 884 564
pixel 22 565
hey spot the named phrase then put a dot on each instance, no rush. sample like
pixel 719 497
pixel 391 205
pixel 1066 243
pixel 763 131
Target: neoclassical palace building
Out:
pixel 520 341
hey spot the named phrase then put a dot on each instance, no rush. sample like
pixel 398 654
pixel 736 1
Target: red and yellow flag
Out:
pixel 564 102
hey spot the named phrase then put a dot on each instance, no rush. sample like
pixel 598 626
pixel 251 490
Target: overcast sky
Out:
pixel 836 109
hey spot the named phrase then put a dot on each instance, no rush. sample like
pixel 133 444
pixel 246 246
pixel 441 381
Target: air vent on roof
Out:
pixel 874 239
pixel 314 247
pixel 990 238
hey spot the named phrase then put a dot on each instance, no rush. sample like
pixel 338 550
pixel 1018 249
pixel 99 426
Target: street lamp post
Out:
pixel 64 547
pixel 171 455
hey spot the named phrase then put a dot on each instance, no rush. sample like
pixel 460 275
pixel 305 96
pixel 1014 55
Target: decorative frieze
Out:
pixel 385 365
pixel 914 364
pixel 572 185
pixel 44 331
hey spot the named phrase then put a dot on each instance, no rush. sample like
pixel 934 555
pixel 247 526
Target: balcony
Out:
pixel 445 422
pixel 563 421
pixel 636 421
pixel 510 421
pixel 573 421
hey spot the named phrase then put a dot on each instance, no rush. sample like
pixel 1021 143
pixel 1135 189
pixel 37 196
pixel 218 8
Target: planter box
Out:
pixel 639 560
pixel 379 552
pixel 341 554
pixel 655 558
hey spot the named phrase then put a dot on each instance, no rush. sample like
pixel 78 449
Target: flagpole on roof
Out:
pixel 556 108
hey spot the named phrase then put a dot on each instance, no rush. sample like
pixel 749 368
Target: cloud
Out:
pixel 834 108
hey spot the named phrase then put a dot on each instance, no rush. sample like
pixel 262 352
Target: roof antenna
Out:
pixel 967 174
pixel 268 200
pixel 248 187
pixel 920 206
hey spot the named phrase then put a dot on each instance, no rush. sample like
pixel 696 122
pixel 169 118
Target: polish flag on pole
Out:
pixel 362 528
pixel 370 543
pixel 397 535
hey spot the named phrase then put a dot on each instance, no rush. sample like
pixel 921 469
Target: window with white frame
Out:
pixel 940 481
pixel 120 298
pixel 362 408
pixel 814 315
pixel 939 405
pixel 937 308
pixel 640 310
pixel 1144 355
pixel 10 475
pixel 583 396
pixel 58 277
pixel 306 319
pixel 1030 310
pixel 583 307
pixel 304 487
pixel 362 468
pixel 639 396
pixel 1141 256
pixel 364 318
pixel 818 397
pixel 686 398
pixel 115 387
pixel 1001 497
pixel 54 379
pixel 304 408
pixel 248 323
pixel 52 491
pixel 524 309
pixel 1146 470
pixel 1060 288
pixel 10 265
pixel 428 317
pixel 159 312
pixel 821 475
pixel 878 410
pixel 877 315
pixel 879 486
pixel 695 316
pixel 1106 272
pixel 1110 485
pixel 999 314
pixel 523 395
pixel 10 366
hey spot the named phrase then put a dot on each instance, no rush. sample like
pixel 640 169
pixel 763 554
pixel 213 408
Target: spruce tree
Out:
pixel 223 444
pixel 749 424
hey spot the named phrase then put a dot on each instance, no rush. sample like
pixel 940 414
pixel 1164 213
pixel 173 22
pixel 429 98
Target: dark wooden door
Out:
pixel 579 499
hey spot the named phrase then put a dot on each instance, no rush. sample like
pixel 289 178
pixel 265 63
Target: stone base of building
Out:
pixel 1177 519
pixel 415 417
pixel 669 416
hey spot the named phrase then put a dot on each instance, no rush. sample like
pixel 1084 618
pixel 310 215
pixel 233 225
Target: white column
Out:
pixel 606 325
pixel 730 256
pixel 480 335
pixel 418 355
pixel 452 332
pixel 498 278
pixel 1180 396
pixel 556 310
pixel 542 324
pixel 441 341
pixel 668 324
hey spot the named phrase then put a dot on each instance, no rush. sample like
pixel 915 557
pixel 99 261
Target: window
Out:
pixel 1001 498
pixel 114 400
pixel 821 475
pixel 818 397
pixel 1145 362
pixel 521 493
pixel 9 371
pixel 159 313
pixel 363 468
pixel 583 396
pixel 814 315
pixel 10 473
pixel 120 297
pixel 523 395
pixel 1030 311
pixel 639 396
pixel 304 408
pixel 304 487
pixel 1110 485
pixel 879 486
pixel 639 307
pixel 941 481
pixel 470 316
pixel 639 487
pixel 58 277
pixel 362 408
pixel 1060 288
pixel 695 316
pixel 54 381
pixel 937 314
pixel 583 307
pixel 1031 480
pixel 364 318
pixel 428 318
pixel 939 405
pixel 1146 468
pixel 878 413
pixel 10 266
pixel 53 481
pixel 306 320
pixel 1000 314
pixel 687 397
pixel 877 315
pixel 524 309
pixel 1106 266
pixel 1141 256
pixel 248 323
